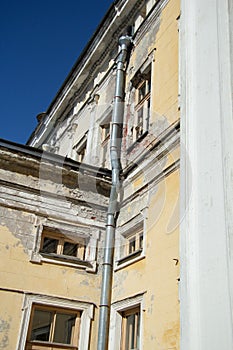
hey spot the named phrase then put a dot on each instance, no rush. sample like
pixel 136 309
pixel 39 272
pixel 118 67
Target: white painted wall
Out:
pixel 206 176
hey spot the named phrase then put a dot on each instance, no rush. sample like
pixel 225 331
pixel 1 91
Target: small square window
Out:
pixel 131 244
pixel 72 246
pixel 134 242
pixel 54 243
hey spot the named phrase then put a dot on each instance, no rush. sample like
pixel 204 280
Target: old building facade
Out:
pixel 55 196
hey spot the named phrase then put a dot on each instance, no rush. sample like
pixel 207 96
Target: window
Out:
pixel 135 242
pixel 50 323
pixel 65 244
pixel 79 150
pixel 54 243
pixel 50 326
pixel 140 18
pixel 142 84
pixel 126 323
pixel 130 332
pixel 105 138
pixel 131 245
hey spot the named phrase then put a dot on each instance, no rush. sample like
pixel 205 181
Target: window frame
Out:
pixel 118 309
pixel 86 316
pixel 133 229
pixel 104 139
pixel 80 149
pixel 142 109
pixel 124 335
pixel 62 239
pixel 50 343
pixel 81 233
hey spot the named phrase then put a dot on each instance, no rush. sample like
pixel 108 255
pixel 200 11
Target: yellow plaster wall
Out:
pixel 157 275
pixel 19 275
pixel 10 319
pixel 165 69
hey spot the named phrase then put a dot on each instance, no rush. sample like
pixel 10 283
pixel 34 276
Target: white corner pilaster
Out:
pixel 206 175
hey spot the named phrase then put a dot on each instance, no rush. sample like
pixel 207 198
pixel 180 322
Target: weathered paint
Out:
pixel 157 275
pixel 46 192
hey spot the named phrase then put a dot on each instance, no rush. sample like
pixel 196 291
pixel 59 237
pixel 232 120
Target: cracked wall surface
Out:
pixel 59 193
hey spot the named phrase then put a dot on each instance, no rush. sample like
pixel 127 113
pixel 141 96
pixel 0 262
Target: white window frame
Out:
pixel 105 118
pixel 136 81
pixel 117 309
pixel 141 104
pixel 86 309
pixel 90 234
pixel 78 148
pixel 123 235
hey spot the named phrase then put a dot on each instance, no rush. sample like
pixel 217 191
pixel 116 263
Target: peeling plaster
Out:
pixel 4 333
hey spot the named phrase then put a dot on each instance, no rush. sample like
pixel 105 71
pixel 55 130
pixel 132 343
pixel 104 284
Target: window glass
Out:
pixel 70 249
pixel 142 91
pixel 41 325
pixel 131 330
pixel 141 241
pixel 55 243
pixel 105 137
pixel 64 328
pixel 81 152
pixel 139 128
pixel 132 245
pixel 142 83
pixel 53 326
pixel 50 245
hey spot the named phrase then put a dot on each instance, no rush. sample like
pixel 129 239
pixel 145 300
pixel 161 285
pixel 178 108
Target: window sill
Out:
pixel 35 344
pixel 129 259
pixel 64 260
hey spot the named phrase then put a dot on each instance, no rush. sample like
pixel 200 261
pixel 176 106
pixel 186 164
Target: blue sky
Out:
pixel 40 41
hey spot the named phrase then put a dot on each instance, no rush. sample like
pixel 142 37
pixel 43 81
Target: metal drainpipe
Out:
pixel 115 154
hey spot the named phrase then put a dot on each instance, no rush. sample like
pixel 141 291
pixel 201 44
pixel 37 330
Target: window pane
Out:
pixel 142 91
pixel 81 152
pixel 70 249
pixel 141 241
pixel 49 245
pixel 148 114
pixel 132 245
pixel 149 83
pixel 64 328
pixel 41 325
pixel 139 127
pixel 105 131
pixel 132 331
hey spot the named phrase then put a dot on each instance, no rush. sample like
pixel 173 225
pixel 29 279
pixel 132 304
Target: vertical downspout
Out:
pixel 115 154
